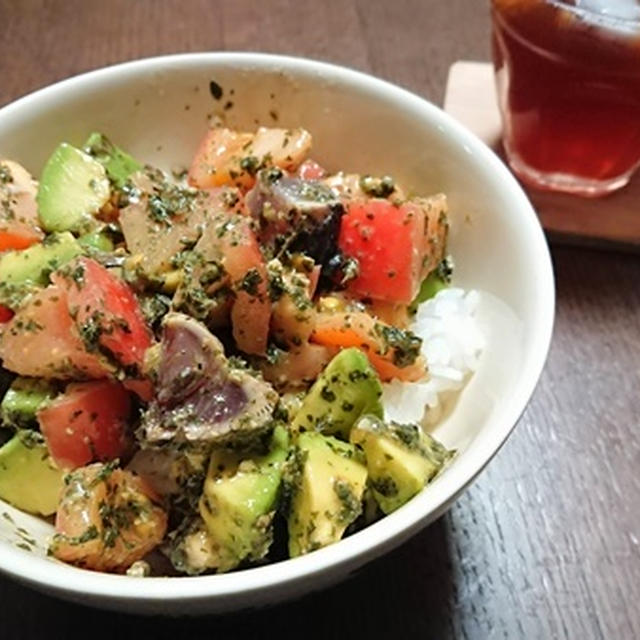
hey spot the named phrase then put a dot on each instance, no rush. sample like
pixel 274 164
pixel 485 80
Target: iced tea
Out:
pixel 568 78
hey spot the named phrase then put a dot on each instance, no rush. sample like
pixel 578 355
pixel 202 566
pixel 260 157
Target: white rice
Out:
pixel 452 345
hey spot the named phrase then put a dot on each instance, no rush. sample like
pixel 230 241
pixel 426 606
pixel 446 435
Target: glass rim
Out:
pixel 605 19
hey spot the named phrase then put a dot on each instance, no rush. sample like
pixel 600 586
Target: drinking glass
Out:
pixel 568 81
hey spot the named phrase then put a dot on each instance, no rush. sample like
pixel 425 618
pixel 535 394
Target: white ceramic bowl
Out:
pixel 157 109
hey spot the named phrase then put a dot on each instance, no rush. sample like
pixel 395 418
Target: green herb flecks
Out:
pixel 350 506
pixel 377 187
pixel 444 270
pixel 250 282
pixel 404 344
pixel 250 164
pixel 385 486
pixel 5 174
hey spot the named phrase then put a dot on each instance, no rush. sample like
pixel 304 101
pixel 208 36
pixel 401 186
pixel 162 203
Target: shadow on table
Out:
pixel 406 594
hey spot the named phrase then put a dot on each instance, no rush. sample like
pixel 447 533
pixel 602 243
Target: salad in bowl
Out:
pixel 223 366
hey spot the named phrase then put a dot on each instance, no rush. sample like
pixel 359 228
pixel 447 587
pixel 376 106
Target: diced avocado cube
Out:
pixel 401 459
pixel 431 285
pixel 28 478
pixel 348 388
pixel 73 187
pixel 438 279
pixel 238 501
pixel 98 240
pixel 33 265
pixel 23 399
pixel 327 482
pixel 118 164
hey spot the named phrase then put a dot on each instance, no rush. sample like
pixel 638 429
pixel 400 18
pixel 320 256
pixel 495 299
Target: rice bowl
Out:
pixel 506 374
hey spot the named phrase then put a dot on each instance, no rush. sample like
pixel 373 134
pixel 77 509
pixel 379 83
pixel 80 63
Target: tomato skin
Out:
pixel 18 236
pixel 102 299
pixel 230 239
pixel 87 422
pixel 5 314
pixel 42 341
pixel 387 241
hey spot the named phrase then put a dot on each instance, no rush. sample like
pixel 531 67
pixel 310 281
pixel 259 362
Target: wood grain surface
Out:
pixel 546 544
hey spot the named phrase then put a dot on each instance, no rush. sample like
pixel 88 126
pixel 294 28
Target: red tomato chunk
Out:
pixel 386 241
pixel 107 307
pixel 396 245
pixel 88 422
pixel 42 341
pixel 5 314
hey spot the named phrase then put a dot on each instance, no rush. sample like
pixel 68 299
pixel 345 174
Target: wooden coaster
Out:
pixel 610 221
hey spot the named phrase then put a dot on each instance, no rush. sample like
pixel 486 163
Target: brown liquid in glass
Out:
pixel 569 85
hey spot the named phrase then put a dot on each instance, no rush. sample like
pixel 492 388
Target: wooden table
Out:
pixel 546 544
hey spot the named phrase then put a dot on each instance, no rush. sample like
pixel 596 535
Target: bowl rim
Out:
pixel 390 531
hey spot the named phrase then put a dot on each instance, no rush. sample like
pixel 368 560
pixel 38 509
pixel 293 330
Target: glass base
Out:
pixel 563 182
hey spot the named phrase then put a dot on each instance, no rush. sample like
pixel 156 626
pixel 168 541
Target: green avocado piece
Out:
pixel 438 279
pixel 431 285
pixel 118 164
pixel 348 388
pixel 33 265
pixel 401 459
pixel 326 481
pixel 238 501
pixel 73 187
pixel 23 399
pixel 28 478
pixel 98 240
